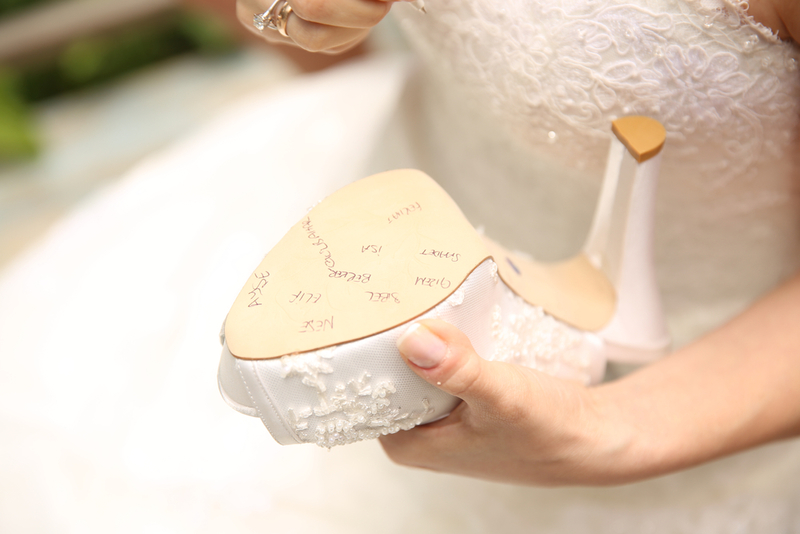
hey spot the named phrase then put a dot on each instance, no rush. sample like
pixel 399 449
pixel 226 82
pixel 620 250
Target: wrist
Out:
pixel 636 438
pixel 618 448
pixel 595 445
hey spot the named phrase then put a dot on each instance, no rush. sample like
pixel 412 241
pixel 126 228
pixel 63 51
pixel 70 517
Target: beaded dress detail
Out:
pixel 532 86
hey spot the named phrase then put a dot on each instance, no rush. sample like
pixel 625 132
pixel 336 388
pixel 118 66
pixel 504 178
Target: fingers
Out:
pixel 431 446
pixel 515 424
pixel 319 25
pixel 319 38
pixel 443 356
pixel 363 14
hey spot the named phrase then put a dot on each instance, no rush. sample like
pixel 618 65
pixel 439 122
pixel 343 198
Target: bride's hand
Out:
pixel 514 425
pixel 329 26
pixel 735 388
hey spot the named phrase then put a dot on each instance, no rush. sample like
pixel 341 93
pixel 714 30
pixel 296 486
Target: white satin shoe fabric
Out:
pixel 363 389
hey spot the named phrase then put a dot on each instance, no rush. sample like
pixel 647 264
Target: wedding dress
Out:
pixel 111 421
pixel 527 90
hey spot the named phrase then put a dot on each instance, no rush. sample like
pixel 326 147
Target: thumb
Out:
pixel 443 356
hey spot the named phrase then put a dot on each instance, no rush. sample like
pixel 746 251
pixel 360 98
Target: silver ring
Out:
pixel 274 18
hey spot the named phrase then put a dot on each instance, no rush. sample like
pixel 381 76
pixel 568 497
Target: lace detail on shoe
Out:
pixel 354 412
pixel 530 337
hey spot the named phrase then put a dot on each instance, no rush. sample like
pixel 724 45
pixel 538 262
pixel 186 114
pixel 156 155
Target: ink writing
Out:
pixel 316 325
pixel 383 297
pixel 311 234
pixel 259 283
pixel 511 263
pixel 375 249
pixel 444 283
pixel 330 263
pixel 302 297
pixel 408 210
pixel 350 277
pixel 452 256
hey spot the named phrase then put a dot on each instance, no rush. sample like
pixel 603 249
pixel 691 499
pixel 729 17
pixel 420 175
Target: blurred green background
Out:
pixel 91 88
pixel 88 56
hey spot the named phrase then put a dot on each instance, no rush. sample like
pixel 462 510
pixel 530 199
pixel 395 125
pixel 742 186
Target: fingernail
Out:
pixel 422 347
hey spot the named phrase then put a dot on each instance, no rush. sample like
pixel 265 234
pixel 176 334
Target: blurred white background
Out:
pixel 89 133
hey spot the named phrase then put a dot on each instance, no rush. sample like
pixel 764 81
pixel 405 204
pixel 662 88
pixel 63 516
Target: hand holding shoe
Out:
pixel 733 389
pixel 515 424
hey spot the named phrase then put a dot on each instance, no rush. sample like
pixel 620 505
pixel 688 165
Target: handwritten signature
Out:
pixel 255 293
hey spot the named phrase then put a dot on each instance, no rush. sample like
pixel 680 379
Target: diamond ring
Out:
pixel 274 18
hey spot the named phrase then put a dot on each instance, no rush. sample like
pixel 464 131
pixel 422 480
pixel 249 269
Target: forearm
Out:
pixel 735 388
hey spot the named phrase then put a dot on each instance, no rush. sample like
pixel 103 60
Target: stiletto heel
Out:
pixel 620 242
pixel 309 345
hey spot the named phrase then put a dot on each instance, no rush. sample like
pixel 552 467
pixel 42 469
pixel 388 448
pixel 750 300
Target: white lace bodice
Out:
pixel 517 131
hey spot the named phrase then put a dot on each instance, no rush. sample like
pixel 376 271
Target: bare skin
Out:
pixel 320 25
pixel 733 389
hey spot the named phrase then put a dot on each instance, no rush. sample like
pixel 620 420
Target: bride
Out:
pixel 108 368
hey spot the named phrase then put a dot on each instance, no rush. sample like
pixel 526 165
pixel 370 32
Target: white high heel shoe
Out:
pixel 309 345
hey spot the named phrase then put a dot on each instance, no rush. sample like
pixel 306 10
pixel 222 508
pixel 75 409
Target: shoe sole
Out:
pixel 310 342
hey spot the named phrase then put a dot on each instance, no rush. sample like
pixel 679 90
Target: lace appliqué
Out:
pixel 352 412
pixel 555 73
pixel 733 13
pixel 532 338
